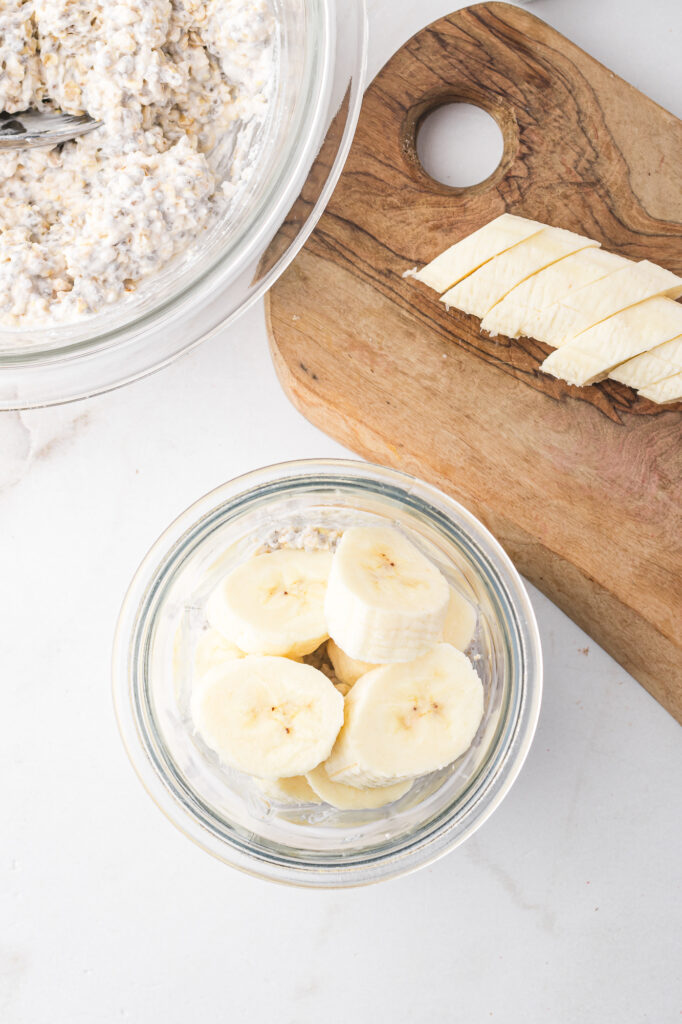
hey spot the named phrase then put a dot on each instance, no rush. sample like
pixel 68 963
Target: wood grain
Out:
pixel 581 485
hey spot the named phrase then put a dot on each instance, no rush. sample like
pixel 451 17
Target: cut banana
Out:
pixel 588 306
pixel 593 353
pixel 274 603
pixel 296 790
pixel 487 286
pixel 349 798
pixel 652 366
pixel 472 252
pixel 386 601
pixel 668 390
pixel 460 621
pixel 559 288
pixel 269 717
pixel 348 670
pixel 211 651
pixel 403 721
pixel 511 316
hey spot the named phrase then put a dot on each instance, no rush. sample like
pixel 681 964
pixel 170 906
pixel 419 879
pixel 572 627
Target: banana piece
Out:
pixel 386 601
pixel 467 255
pixel 460 621
pixel 558 324
pixel 211 651
pixel 593 353
pixel 214 649
pixel 652 366
pixel 511 315
pixel 460 625
pixel 296 790
pixel 668 390
pixel 480 291
pixel 348 670
pixel 403 721
pixel 274 603
pixel 348 798
pixel 267 716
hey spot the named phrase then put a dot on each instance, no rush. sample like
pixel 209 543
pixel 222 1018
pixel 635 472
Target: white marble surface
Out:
pixel 564 907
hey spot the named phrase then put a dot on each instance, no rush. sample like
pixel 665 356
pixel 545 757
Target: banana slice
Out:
pixel 460 621
pixel 269 717
pixel 472 252
pixel 459 629
pixel 348 670
pixel 274 603
pixel 349 798
pixel 296 790
pixel 212 650
pixel 667 390
pixel 652 366
pixel 386 601
pixel 554 283
pixel 488 285
pixel 584 308
pixel 595 352
pixel 403 721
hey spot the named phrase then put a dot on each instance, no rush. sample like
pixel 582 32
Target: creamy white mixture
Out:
pixel 82 224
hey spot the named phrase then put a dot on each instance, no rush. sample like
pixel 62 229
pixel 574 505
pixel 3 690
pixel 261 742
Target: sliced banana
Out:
pixel 386 602
pixel 349 798
pixel 211 651
pixel 459 630
pixel 403 721
pixel 667 390
pixel 652 366
pixel 274 603
pixel 296 790
pixel 348 670
pixel 487 286
pixel 547 287
pixel 633 331
pixel 460 621
pixel 584 308
pixel 267 716
pixel 475 250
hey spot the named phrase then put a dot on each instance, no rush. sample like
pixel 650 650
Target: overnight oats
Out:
pixel 182 87
pixel 327 673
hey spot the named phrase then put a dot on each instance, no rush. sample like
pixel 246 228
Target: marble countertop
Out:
pixel 564 907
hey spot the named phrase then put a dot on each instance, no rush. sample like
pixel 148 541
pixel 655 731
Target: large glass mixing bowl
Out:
pixel 298 156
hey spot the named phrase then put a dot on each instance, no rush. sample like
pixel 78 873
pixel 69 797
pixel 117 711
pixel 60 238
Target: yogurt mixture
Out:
pixel 175 82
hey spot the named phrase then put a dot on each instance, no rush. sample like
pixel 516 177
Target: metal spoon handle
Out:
pixel 28 129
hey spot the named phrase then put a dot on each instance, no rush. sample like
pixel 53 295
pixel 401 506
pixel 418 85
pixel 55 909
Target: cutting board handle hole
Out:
pixel 459 144
pixel 460 139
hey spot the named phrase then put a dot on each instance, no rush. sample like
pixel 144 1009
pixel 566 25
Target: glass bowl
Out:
pixel 298 155
pixel 223 811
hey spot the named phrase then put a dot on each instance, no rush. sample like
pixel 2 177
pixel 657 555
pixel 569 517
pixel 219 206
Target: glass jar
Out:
pixel 297 158
pixel 225 812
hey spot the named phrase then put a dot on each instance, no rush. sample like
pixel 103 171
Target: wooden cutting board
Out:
pixel 581 486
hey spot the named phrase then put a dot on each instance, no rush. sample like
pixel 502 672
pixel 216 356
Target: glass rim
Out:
pixel 450 826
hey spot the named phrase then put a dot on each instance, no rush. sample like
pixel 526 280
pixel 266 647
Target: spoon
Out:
pixel 30 128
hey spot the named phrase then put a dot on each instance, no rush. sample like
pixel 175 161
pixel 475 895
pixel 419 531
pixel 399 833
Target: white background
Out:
pixel 564 907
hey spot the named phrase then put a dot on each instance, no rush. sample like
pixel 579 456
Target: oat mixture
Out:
pixel 82 224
